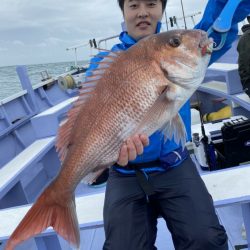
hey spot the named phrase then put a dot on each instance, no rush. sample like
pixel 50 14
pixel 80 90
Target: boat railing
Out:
pixel 75 47
pixel 13 97
pixel 52 79
pixel 105 40
pixel 14 122
pixel 26 107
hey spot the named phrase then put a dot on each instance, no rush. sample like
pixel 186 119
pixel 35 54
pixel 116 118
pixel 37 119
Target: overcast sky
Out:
pixel 39 31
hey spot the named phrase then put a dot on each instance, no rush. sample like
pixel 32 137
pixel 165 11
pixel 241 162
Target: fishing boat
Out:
pixel 29 121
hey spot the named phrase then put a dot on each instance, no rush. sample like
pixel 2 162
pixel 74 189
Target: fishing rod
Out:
pixel 183 15
pixel 166 19
pixel 173 20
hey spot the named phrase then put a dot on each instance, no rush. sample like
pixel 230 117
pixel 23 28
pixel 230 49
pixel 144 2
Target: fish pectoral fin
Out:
pixel 44 213
pixel 175 128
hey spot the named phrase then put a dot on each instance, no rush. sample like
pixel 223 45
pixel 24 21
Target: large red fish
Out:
pixel 132 92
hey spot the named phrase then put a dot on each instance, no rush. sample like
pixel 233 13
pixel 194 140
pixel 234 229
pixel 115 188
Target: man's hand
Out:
pixel 132 147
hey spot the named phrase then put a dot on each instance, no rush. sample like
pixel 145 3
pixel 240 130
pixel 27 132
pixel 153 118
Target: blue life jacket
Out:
pixel 168 153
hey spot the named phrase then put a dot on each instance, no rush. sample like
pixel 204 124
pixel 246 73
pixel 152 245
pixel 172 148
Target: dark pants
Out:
pixel 181 198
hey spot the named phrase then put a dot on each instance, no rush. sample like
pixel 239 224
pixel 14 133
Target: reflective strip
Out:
pixel 173 159
pixel 178 155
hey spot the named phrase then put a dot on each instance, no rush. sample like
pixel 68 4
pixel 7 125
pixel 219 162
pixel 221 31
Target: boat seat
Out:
pixel 227 187
pixel 229 73
pixel 11 187
pixel 47 122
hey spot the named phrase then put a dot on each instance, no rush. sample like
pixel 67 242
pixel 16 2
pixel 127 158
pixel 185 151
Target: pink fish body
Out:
pixel 137 91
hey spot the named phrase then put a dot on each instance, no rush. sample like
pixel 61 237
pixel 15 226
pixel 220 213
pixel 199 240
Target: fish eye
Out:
pixel 175 41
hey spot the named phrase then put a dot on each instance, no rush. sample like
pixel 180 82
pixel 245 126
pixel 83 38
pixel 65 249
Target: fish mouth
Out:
pixel 206 46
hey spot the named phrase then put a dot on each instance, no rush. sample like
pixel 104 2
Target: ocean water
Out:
pixel 9 81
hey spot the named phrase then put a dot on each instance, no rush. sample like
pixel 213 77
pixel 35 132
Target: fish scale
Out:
pixel 117 121
pixel 132 108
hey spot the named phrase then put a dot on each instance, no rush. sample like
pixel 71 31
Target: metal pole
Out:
pixel 192 17
pixel 166 19
pixel 183 15
pixel 75 57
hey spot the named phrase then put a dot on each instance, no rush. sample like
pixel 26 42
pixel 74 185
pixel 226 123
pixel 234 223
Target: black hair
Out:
pixel 121 4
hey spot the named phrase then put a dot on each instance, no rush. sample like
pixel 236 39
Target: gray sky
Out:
pixel 40 31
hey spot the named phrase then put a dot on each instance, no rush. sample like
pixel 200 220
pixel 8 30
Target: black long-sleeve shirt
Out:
pixel 244 57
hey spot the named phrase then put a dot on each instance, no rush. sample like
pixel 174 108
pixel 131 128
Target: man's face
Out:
pixel 141 17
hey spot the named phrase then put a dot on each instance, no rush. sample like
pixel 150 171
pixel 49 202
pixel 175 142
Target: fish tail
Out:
pixel 47 212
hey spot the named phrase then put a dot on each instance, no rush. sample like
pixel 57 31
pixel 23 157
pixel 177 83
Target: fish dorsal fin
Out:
pixel 65 130
pixel 63 136
pixel 85 92
pixel 104 62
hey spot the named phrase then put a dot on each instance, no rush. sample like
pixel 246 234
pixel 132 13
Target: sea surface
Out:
pixel 9 81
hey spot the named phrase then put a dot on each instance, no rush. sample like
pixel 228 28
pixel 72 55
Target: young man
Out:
pixel 154 178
